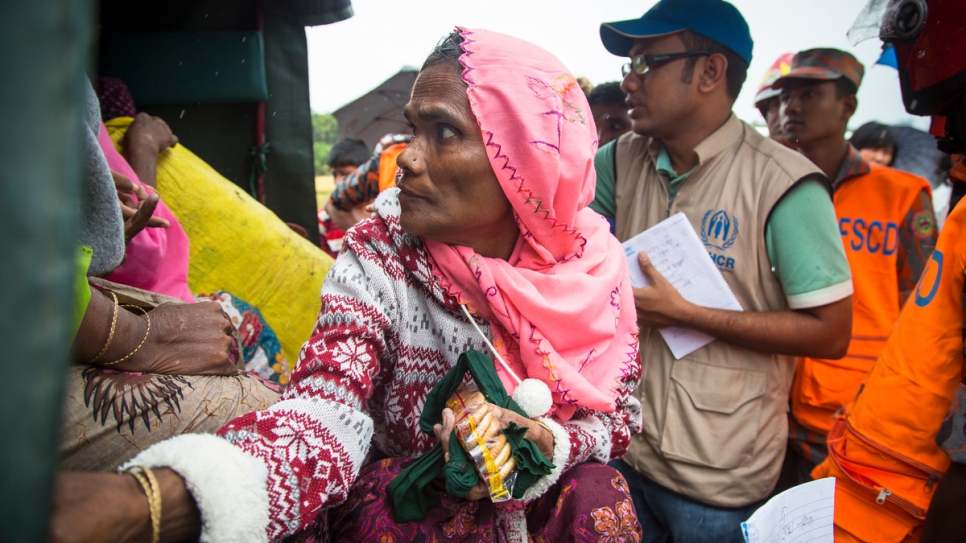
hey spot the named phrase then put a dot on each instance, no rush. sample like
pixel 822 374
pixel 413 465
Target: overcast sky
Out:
pixel 349 58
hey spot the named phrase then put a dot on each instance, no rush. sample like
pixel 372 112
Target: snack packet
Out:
pixel 480 434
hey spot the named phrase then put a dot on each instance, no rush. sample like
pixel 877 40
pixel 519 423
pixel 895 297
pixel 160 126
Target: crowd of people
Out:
pixel 496 226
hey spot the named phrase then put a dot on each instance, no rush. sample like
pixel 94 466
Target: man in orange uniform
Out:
pixel 768 99
pixel 887 227
pixel 891 449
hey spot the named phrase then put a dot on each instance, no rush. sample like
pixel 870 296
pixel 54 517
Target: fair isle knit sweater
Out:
pixel 387 333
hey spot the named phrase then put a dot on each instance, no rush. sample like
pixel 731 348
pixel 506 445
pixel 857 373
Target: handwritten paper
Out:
pixel 801 514
pixel 677 253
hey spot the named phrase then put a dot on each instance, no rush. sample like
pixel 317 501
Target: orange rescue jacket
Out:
pixel 883 448
pixel 871 209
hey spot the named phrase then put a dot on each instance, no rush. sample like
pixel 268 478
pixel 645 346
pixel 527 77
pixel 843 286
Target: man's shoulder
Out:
pixel 631 144
pixel 899 177
pixel 775 155
pixel 631 155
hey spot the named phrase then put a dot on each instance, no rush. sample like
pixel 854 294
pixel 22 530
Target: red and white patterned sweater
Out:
pixel 386 334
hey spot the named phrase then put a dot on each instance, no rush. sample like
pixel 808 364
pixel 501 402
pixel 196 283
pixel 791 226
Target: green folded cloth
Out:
pixel 409 491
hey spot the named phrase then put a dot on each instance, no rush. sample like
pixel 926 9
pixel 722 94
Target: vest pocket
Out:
pixel 712 414
pixel 829 386
pixel 864 520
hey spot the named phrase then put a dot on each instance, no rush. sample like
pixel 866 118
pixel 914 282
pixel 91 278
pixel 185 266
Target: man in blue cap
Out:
pixel 714 421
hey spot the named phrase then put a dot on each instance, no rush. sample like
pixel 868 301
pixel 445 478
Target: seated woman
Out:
pixel 141 375
pixel 156 259
pixel 146 366
pixel 489 217
pixel 230 235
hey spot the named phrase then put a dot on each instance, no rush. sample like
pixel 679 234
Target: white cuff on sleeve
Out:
pixel 820 297
pixel 561 454
pixel 228 485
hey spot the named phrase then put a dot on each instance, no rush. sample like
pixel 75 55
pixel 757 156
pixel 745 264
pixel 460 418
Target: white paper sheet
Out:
pixel 801 514
pixel 675 250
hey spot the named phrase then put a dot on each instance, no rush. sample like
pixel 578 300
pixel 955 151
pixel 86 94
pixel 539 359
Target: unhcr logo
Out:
pixel 718 229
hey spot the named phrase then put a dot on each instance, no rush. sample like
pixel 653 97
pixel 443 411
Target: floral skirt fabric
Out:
pixel 591 502
pixel 260 347
pixel 110 416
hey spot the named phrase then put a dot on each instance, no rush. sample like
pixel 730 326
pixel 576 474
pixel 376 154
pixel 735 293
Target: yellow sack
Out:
pixel 240 246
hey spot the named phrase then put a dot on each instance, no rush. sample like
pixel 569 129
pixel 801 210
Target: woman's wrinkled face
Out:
pixel 448 191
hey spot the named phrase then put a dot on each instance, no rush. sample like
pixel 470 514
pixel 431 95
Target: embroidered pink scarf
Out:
pixel 561 309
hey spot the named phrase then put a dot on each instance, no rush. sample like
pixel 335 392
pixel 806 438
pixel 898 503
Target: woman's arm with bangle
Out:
pixel 269 473
pixel 95 507
pixel 593 435
pixel 108 331
pixel 185 339
pixel 303 453
pixel 599 436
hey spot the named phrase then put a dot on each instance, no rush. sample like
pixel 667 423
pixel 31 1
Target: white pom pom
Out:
pixel 534 397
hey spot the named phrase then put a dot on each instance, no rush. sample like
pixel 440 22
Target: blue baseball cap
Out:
pixel 716 20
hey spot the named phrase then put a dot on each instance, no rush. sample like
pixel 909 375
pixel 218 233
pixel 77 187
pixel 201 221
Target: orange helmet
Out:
pixel 781 67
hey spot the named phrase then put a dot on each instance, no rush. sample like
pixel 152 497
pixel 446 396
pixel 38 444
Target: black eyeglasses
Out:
pixel 642 63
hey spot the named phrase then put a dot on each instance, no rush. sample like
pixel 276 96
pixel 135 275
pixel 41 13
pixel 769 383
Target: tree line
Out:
pixel 325 134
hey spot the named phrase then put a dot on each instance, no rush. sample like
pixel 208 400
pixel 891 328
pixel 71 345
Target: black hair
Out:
pixel 447 51
pixel 873 135
pixel 737 70
pixel 606 94
pixel 348 152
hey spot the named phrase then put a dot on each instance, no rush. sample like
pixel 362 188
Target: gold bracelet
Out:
pixel 544 424
pixel 111 335
pixel 152 489
pixel 546 427
pixel 146 333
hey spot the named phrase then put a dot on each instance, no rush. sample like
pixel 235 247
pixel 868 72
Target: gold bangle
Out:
pixel 546 427
pixel 146 333
pixel 544 424
pixel 111 335
pixel 152 489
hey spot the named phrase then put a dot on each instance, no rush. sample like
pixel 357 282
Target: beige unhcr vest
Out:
pixel 715 423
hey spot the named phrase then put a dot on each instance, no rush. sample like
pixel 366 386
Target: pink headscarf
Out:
pixel 561 309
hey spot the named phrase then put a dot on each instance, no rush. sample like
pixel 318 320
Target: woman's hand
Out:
pixel 187 339
pixel 145 139
pixel 137 215
pixel 443 431
pixel 535 432
pixel 148 133
pixel 94 507
pixel 184 339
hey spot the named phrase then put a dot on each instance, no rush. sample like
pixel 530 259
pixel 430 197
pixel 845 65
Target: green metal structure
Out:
pixel 44 52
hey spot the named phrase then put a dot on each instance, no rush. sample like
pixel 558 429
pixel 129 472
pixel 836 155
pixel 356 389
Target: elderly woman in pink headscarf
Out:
pixel 487 244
